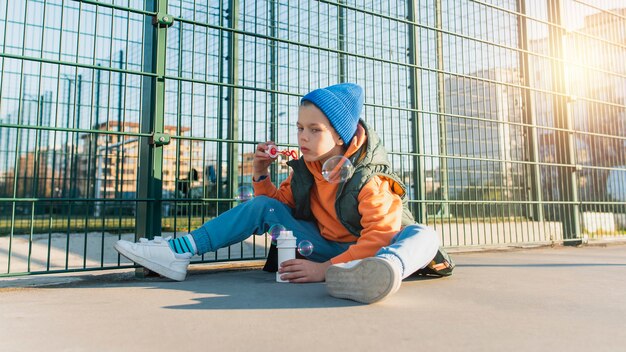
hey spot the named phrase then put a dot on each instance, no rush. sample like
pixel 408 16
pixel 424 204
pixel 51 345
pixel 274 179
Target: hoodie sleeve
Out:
pixel 381 218
pixel 283 193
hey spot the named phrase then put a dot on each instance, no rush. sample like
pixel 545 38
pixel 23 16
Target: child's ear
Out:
pixel 340 141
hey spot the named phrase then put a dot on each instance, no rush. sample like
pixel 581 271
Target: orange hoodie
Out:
pixel 380 208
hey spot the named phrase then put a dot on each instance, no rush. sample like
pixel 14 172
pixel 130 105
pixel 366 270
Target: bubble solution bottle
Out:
pixel 286 245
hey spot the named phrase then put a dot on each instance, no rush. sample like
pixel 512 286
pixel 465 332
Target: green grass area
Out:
pixel 127 224
pixel 599 234
pixel 82 225
pixel 450 219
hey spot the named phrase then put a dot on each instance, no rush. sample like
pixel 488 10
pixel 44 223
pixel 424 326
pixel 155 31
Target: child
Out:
pixel 364 237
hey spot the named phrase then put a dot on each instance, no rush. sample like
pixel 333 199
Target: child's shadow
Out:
pixel 254 289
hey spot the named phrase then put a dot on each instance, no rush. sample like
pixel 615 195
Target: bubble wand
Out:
pixel 273 152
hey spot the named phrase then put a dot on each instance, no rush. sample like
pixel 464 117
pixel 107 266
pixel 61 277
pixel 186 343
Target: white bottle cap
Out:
pixel 286 234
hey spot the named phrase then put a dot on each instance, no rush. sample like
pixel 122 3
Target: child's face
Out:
pixel 317 138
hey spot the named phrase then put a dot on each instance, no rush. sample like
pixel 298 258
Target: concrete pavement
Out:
pixel 545 299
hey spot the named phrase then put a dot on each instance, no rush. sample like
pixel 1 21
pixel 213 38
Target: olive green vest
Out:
pixel 370 160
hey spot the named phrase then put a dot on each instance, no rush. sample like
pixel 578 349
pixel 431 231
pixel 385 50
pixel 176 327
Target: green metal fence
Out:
pixel 122 119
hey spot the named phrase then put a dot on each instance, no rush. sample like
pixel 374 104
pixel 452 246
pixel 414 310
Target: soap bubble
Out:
pixel 244 193
pixel 305 248
pixel 337 169
pixel 275 230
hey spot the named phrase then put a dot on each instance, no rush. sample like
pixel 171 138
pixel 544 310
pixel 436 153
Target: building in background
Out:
pixel 595 87
pixel 109 164
pixel 483 136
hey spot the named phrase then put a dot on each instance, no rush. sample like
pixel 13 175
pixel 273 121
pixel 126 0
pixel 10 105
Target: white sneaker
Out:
pixel 366 281
pixel 157 256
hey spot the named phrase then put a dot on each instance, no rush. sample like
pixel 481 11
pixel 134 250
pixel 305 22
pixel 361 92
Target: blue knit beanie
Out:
pixel 342 104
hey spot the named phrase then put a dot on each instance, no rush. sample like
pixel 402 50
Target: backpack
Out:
pixel 441 265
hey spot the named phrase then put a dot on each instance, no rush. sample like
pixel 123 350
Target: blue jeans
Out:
pixel 414 246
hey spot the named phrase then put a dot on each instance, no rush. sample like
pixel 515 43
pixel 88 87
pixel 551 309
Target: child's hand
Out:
pixel 261 160
pixel 302 270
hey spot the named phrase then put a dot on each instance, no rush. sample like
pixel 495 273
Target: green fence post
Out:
pixel 341 40
pixel 416 122
pixel 564 143
pixel 233 98
pixel 441 107
pixel 150 151
pixel 219 168
pixel 528 117
pixel 273 58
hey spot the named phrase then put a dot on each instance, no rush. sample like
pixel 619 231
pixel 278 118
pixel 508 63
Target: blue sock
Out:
pixel 183 244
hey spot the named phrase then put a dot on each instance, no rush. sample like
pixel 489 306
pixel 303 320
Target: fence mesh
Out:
pixel 506 119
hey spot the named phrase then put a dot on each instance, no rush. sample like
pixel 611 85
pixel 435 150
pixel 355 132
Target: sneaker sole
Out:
pixel 157 268
pixel 367 282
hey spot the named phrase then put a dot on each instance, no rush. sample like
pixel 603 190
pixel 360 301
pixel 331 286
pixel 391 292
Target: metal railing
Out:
pixel 122 119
